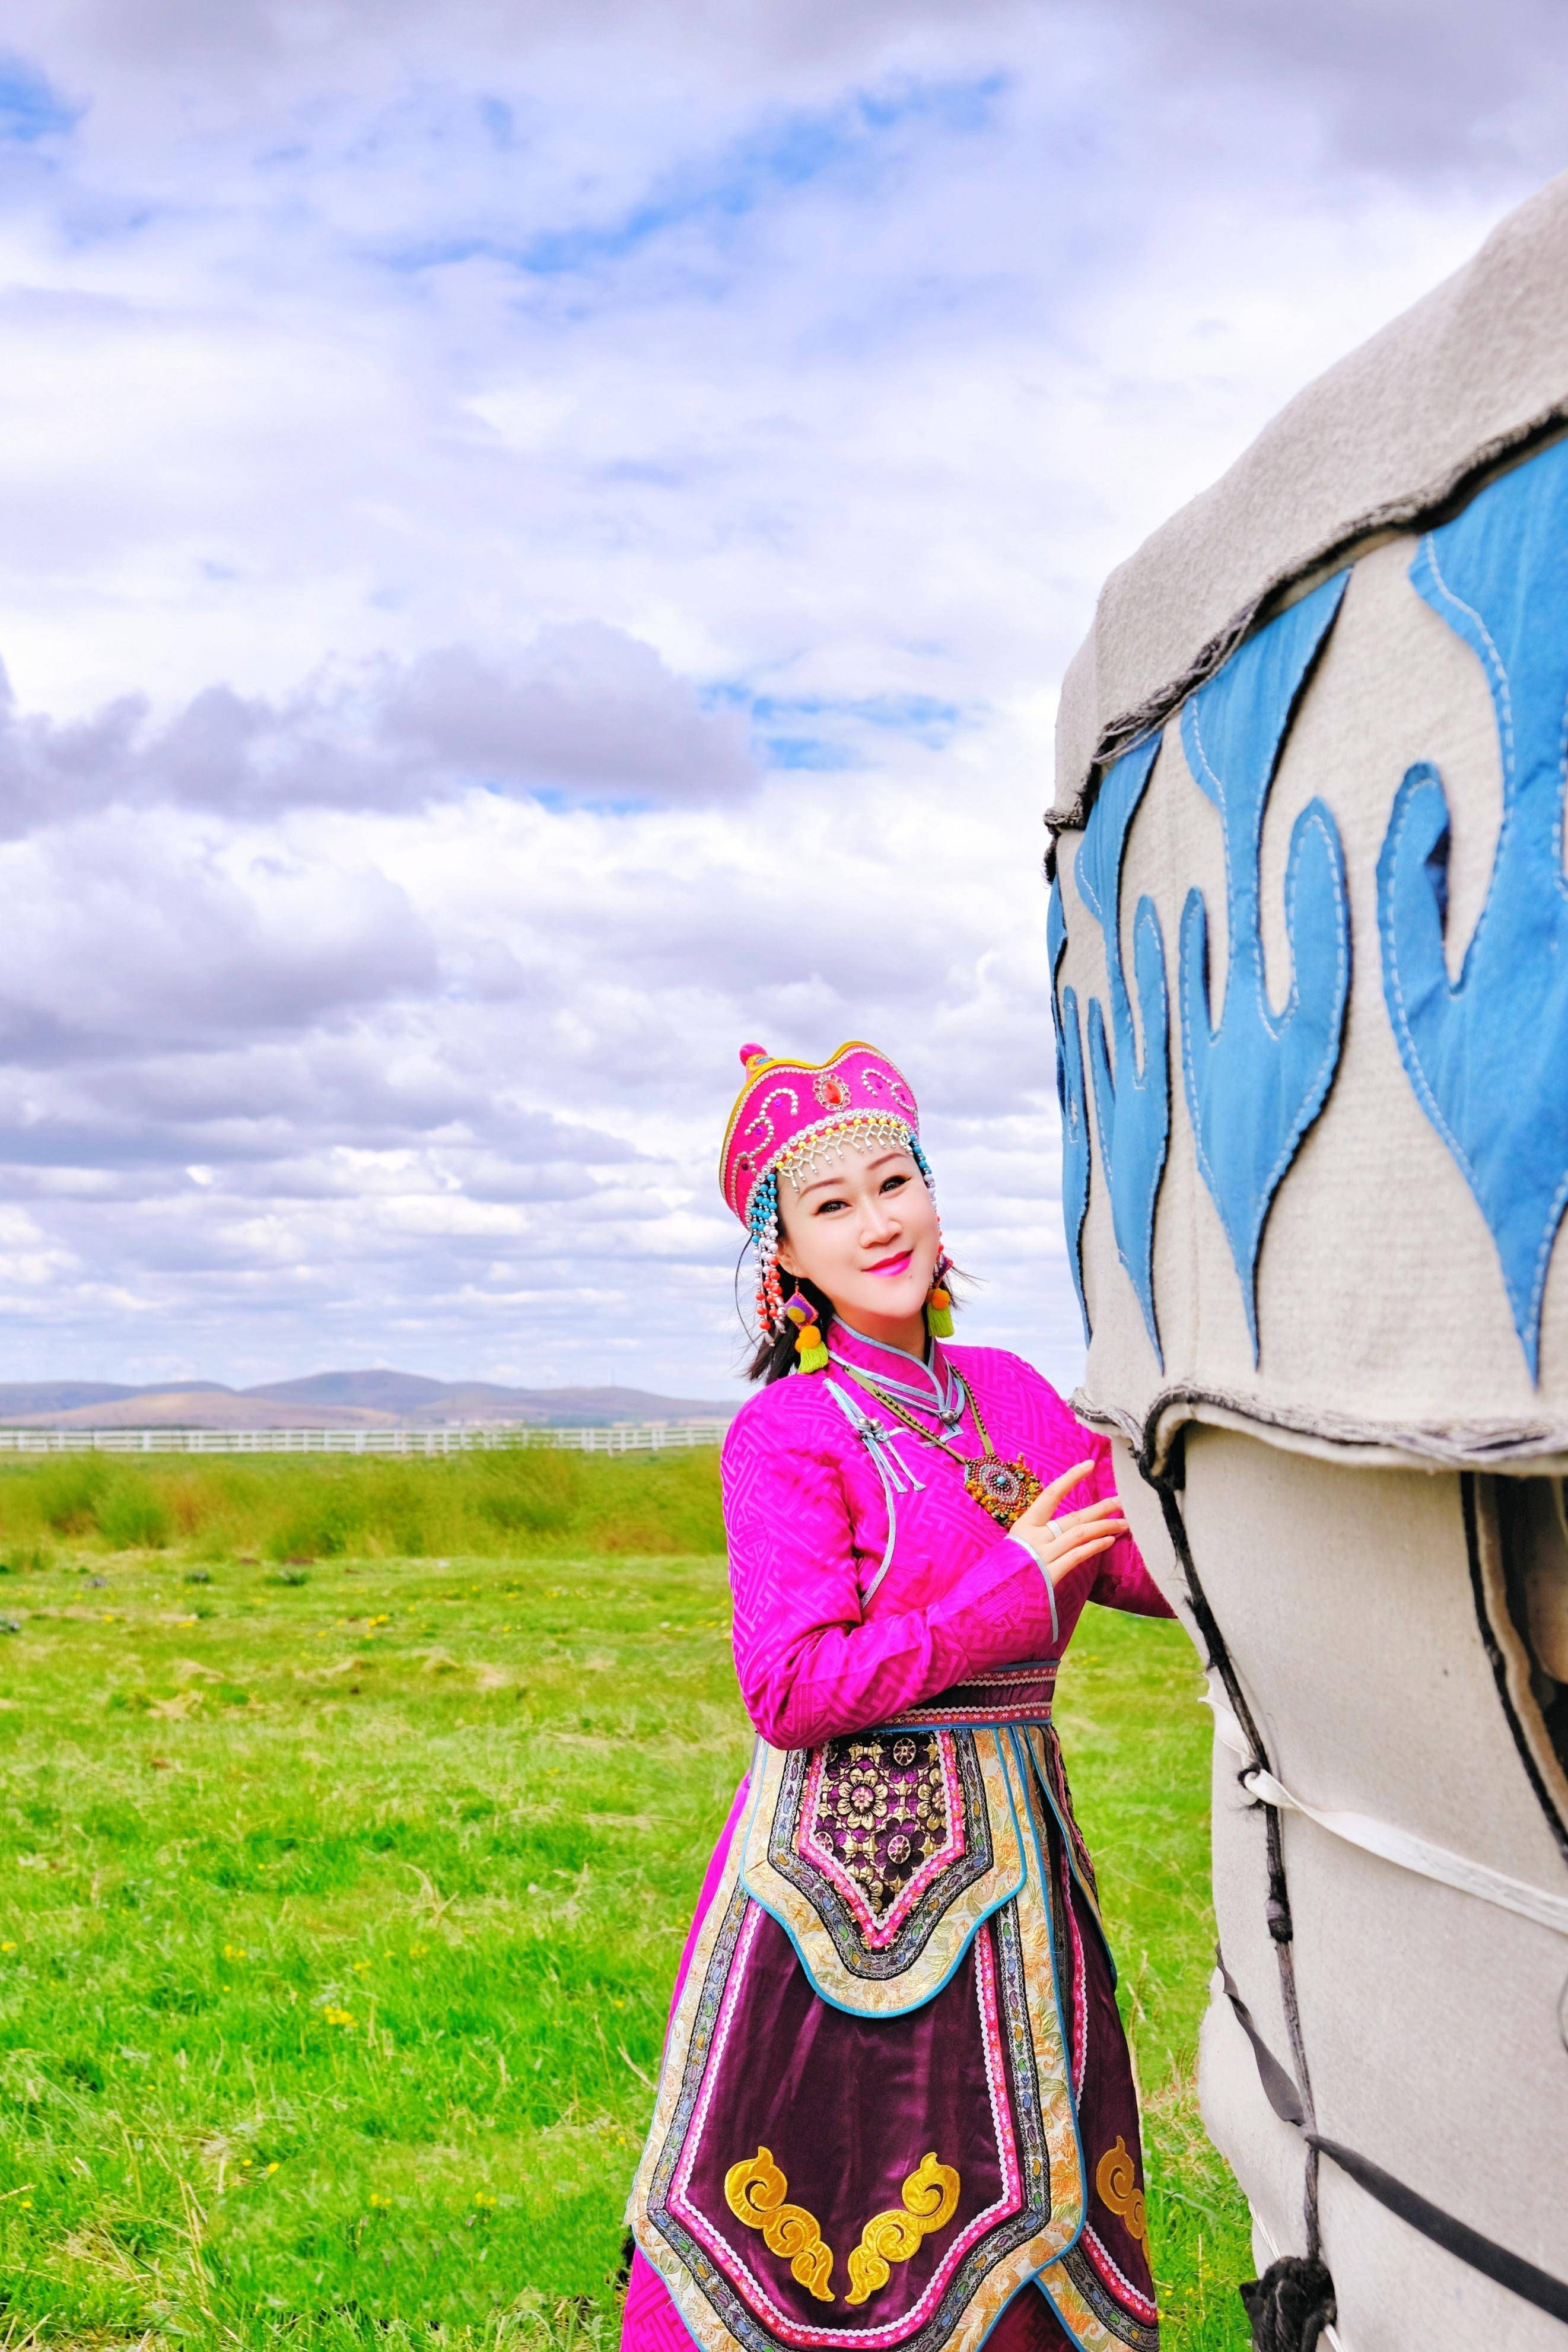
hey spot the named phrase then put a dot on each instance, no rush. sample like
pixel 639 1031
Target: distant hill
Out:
pixel 408 1396
pixel 21 1397
pixel 381 1391
pixel 367 1399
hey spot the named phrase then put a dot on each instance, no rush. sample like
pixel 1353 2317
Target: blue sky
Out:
pixel 541 545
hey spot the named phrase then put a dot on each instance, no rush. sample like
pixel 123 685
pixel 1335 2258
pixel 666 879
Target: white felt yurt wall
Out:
pixel 1310 941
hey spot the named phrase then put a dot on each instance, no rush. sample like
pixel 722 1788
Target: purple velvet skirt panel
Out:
pixel 829 2181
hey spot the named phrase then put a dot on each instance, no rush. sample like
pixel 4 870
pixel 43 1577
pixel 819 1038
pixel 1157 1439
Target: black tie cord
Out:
pixel 1280 1927
pixel 1290 2306
pixel 1457 2238
pixel 1293 2301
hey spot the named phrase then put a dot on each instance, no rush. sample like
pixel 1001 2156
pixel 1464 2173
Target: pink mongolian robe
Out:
pixel 897 2109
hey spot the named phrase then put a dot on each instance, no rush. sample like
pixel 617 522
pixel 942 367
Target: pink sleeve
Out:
pixel 810 1666
pixel 1123 1581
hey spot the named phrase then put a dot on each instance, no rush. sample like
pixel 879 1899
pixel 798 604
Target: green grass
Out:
pixel 342 1889
pixel 491 1505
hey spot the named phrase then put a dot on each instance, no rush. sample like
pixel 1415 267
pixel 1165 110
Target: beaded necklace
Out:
pixel 1005 1490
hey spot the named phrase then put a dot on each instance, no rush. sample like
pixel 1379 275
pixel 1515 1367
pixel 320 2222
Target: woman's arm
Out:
pixel 810 1667
pixel 1123 1581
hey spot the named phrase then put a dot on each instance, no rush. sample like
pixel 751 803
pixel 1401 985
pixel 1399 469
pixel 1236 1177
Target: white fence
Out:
pixel 650 1437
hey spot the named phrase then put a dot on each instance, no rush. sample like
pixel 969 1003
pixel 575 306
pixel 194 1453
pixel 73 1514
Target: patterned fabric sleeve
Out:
pixel 810 1666
pixel 1122 1581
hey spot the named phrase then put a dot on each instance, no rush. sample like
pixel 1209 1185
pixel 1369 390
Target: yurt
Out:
pixel 1308 933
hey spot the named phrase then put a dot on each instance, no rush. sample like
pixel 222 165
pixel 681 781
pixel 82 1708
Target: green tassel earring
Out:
pixel 939 1304
pixel 811 1348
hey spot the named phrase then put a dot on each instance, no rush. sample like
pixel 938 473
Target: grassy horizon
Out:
pixel 492 1503
pixel 341 1890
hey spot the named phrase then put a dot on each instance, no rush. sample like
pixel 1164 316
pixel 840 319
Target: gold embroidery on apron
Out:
pixel 930 2200
pixel 1116 2178
pixel 756 2189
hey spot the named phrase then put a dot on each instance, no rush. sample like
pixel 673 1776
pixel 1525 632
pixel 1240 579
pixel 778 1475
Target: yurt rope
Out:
pixel 1408 1853
pixel 1293 2301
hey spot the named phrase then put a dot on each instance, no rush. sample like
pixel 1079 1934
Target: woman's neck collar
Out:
pixel 897 1363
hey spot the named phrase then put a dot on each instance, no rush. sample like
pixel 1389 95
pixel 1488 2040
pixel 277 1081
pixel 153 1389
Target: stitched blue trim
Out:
pixel 1029 1780
pixel 1132 1097
pixel 1013 1891
pixel 886 1348
pixel 1487 1054
pixel 1071 1100
pixel 1258 1079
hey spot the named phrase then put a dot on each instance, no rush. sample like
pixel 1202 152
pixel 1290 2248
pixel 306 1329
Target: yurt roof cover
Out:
pixel 1459 384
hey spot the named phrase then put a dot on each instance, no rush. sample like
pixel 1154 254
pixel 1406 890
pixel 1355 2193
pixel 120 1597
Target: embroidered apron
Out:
pixel 896 2088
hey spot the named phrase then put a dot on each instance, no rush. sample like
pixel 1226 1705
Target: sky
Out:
pixel 537 543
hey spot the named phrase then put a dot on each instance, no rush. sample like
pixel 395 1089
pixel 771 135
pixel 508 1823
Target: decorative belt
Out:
pixel 1017 1693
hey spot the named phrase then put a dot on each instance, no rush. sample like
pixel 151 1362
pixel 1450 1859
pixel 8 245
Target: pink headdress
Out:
pixel 787 1117
pixel 788 1110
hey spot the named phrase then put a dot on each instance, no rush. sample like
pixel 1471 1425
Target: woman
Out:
pixel 896 2108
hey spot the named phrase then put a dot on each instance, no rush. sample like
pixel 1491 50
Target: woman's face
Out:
pixel 863 1227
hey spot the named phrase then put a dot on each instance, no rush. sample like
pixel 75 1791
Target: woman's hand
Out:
pixel 1063 1542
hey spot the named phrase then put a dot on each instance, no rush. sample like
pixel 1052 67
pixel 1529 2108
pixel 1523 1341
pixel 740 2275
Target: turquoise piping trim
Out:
pixel 903 1354
pixel 1072 1866
pixel 1026 1774
pixel 1008 1898
pixel 744 1830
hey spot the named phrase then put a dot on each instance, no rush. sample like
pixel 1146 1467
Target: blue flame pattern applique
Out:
pixel 1132 1100
pixel 1255 1082
pixel 1070 1096
pixel 1487 1052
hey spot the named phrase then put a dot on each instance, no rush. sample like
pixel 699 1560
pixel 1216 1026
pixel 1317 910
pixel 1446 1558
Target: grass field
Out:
pixel 352 1815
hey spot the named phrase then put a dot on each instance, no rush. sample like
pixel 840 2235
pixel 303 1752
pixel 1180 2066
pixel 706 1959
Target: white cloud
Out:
pixel 583 710
pixel 540 544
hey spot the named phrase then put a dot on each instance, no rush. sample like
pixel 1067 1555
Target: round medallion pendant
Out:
pixel 1001 1485
pixel 1005 1490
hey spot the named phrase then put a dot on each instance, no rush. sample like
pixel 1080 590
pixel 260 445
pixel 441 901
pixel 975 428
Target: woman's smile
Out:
pixel 893 1265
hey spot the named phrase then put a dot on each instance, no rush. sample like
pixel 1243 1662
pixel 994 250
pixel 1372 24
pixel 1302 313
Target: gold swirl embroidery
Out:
pixel 930 2198
pixel 756 2189
pixel 1116 2178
